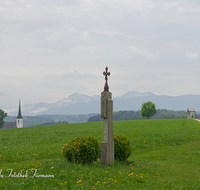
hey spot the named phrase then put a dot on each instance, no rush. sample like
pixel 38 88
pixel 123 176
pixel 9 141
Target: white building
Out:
pixel 191 113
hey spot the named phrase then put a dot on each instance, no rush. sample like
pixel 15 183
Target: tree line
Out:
pixel 134 115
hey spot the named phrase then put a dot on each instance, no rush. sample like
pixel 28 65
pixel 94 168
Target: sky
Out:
pixel 52 49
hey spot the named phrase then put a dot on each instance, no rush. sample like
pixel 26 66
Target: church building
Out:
pixel 17 124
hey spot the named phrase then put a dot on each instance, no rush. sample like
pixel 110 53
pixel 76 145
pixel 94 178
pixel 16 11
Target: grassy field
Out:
pixel 165 155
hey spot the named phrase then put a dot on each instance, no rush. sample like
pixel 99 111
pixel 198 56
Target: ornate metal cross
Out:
pixel 106 88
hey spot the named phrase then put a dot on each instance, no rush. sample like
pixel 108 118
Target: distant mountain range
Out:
pixel 78 103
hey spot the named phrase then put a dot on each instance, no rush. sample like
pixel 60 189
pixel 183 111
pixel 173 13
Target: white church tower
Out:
pixel 19 118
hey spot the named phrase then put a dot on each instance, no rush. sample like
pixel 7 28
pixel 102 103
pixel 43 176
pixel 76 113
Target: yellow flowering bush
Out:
pixel 122 147
pixel 82 150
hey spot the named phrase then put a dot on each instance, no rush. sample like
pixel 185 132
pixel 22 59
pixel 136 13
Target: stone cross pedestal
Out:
pixel 107 145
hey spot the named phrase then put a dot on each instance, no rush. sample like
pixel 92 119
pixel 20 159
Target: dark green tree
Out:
pixel 148 109
pixel 2 115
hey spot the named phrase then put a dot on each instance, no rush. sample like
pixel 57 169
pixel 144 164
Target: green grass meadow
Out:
pixel 165 155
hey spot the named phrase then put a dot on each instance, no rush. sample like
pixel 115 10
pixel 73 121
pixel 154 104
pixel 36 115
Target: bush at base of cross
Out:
pixel 82 150
pixel 122 147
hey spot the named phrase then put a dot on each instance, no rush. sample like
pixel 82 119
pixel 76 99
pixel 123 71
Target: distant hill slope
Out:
pixel 77 104
pixel 50 119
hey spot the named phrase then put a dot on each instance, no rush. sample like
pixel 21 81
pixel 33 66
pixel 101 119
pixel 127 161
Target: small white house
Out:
pixel 191 113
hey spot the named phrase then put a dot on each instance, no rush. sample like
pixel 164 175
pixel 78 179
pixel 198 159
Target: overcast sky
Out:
pixel 51 49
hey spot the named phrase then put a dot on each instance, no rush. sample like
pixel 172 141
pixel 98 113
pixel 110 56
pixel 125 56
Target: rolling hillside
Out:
pixel 165 155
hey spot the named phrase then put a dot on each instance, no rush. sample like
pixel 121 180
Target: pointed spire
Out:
pixel 19 112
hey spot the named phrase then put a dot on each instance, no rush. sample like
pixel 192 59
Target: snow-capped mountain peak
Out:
pixel 134 94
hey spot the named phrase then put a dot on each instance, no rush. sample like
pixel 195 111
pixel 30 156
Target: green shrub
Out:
pixel 82 150
pixel 122 147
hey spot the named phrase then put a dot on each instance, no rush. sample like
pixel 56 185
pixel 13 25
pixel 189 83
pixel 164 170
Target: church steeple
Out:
pixel 19 120
pixel 19 112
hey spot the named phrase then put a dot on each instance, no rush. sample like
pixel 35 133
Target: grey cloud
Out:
pixel 2 93
pixel 192 55
pixel 71 75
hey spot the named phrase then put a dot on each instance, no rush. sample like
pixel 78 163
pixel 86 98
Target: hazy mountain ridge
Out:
pixel 75 98
pixel 134 94
pixel 83 104
pixel 34 109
